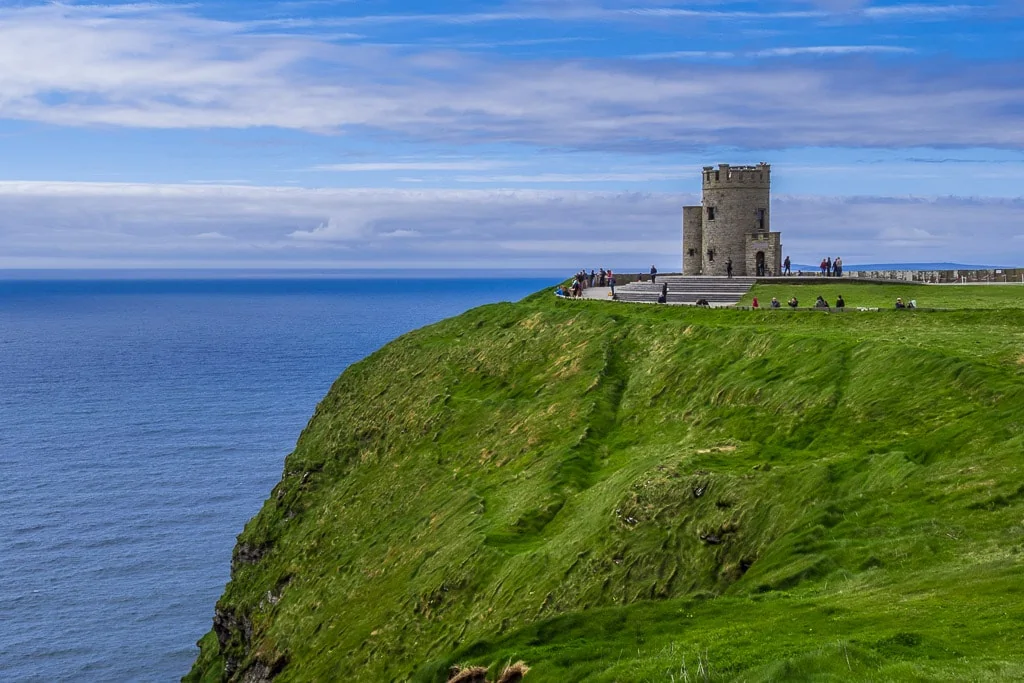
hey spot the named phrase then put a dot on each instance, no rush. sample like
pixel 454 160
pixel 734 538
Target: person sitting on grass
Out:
pixel 840 302
pixel 703 303
pixel 754 304
pixel 912 304
pixel 793 303
pixel 820 303
pixel 560 291
pixel 775 303
pixel 899 303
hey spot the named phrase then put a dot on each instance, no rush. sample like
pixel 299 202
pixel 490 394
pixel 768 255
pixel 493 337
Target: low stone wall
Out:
pixel 994 275
pixel 816 278
pixel 626 278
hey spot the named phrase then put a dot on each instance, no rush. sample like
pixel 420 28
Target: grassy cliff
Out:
pixel 632 493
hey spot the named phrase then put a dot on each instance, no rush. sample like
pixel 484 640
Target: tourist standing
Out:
pixel 785 267
pixel 611 281
pixel 837 267
pixel 601 277
pixel 828 267
pixel 728 267
pixel 654 273
pixel 592 276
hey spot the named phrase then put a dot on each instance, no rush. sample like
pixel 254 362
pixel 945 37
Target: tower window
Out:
pixel 760 220
pixel 711 213
pixel 711 254
pixel 693 252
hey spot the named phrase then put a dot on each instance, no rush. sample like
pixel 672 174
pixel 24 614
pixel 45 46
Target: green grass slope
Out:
pixel 647 493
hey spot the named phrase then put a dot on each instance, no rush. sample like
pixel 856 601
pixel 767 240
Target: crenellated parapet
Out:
pixel 726 176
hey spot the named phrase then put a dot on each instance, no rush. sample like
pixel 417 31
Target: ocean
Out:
pixel 142 423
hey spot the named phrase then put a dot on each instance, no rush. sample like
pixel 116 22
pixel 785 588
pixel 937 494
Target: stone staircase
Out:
pixel 682 289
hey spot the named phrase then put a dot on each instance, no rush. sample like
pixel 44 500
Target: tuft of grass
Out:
pixel 643 493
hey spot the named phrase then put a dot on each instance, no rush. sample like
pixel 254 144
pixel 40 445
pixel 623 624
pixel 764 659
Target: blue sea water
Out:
pixel 142 423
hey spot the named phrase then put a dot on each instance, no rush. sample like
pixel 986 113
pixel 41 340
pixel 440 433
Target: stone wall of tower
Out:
pixel 769 245
pixel 693 239
pixel 736 205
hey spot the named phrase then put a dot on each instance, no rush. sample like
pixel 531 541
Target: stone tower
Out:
pixel 733 222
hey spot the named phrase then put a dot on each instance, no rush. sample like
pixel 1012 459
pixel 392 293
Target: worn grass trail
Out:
pixel 633 493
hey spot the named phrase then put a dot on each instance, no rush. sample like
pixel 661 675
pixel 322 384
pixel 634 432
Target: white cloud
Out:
pixel 82 224
pixel 831 50
pixel 917 11
pixel 161 67
pixel 816 50
pixel 362 167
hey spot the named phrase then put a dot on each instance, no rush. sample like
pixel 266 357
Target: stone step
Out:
pixel 685 289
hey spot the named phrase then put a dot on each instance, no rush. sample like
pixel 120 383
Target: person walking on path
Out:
pixel 611 281
pixel 822 267
pixel 654 273
pixel 728 268
pixel 785 267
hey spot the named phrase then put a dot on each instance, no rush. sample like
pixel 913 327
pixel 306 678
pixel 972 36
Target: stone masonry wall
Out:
pixel 693 239
pixel 771 246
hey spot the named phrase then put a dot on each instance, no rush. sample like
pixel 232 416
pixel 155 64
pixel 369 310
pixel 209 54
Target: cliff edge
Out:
pixel 629 493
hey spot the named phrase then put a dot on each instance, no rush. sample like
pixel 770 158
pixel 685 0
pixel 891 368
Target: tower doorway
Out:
pixel 760 264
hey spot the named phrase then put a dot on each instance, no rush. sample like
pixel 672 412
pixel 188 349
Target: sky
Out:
pixel 518 134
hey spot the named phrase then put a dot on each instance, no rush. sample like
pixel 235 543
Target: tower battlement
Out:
pixel 758 176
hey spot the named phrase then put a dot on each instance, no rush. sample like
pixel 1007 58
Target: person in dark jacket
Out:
pixel 821 303
pixel 654 272
pixel 840 302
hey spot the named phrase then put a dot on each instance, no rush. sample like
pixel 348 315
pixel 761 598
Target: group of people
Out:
pixel 582 280
pixel 793 303
pixel 830 268
pixel 821 302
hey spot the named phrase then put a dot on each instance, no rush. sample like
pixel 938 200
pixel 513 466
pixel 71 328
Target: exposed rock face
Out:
pixel 259 673
pixel 230 627
pixel 246 554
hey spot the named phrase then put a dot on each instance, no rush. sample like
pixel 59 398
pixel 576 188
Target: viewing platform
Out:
pixel 682 289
